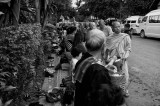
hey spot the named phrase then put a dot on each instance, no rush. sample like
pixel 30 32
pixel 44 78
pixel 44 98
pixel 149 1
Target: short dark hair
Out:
pixel 127 25
pixel 79 37
pixel 75 52
pixel 71 29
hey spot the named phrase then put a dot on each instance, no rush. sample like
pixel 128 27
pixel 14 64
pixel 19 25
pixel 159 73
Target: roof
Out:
pixel 133 18
pixel 154 12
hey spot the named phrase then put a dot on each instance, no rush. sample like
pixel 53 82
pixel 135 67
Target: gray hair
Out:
pixel 95 40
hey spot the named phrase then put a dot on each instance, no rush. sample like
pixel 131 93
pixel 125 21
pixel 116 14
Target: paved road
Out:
pixel 144 65
pixel 145 54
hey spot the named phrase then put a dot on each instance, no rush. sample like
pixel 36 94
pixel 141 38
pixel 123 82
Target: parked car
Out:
pixel 150 25
pixel 110 20
pixel 134 23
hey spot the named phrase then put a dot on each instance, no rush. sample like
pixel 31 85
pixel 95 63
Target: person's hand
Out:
pixel 112 60
pixel 110 63
pixel 126 55
pixel 111 68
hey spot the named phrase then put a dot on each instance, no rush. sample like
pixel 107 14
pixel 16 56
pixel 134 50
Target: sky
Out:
pixel 73 3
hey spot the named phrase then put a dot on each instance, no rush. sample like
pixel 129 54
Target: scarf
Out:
pixel 113 42
pixel 82 67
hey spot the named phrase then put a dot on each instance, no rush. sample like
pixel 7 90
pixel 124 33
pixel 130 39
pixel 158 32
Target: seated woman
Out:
pixel 71 31
pixel 66 46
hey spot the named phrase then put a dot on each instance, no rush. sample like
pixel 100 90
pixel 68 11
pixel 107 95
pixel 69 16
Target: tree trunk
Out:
pixel 16 11
pixel 37 3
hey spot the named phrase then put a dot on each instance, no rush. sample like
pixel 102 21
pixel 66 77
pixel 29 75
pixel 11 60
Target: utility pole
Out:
pixel 120 9
pixel 121 6
pixel 37 4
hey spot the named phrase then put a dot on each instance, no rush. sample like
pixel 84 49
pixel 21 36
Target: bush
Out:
pixel 21 61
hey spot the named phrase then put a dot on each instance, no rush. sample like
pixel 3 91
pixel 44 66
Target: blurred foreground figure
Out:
pixel 93 83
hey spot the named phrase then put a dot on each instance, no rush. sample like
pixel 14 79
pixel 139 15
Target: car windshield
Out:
pixel 134 21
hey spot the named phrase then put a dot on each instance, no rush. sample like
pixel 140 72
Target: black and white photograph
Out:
pixel 79 52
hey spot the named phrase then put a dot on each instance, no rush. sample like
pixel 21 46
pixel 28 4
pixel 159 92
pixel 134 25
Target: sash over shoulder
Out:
pixel 81 69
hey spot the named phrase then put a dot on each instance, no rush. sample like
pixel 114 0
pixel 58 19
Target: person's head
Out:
pixel 86 25
pixel 116 27
pixel 96 22
pixel 101 23
pixel 79 37
pixel 95 40
pixel 71 30
pixel 75 52
pixel 107 22
pixel 81 26
pixel 127 26
pixel 92 25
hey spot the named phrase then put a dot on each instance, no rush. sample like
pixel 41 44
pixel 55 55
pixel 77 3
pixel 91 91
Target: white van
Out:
pixel 150 25
pixel 134 23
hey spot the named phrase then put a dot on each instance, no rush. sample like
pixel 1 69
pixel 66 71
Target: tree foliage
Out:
pixel 138 7
pixel 31 11
pixel 20 57
pixel 114 8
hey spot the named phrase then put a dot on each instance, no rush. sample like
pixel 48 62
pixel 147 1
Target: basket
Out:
pixel 118 79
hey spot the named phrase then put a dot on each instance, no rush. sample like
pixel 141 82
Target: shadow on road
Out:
pixel 157 39
pixel 149 38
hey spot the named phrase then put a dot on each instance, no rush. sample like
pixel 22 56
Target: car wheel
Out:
pixel 142 34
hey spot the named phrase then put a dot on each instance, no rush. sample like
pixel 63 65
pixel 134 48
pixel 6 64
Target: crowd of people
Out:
pixel 97 54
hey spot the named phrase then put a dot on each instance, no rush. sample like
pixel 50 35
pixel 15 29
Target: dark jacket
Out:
pixel 95 75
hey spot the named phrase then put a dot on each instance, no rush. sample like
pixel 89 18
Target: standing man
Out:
pixel 119 47
pixel 106 29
